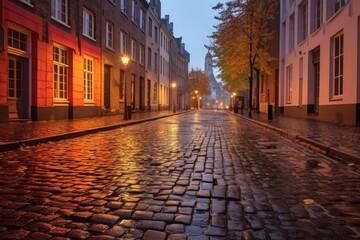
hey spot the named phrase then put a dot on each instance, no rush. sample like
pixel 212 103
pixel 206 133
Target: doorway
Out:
pixel 107 76
pixel 18 71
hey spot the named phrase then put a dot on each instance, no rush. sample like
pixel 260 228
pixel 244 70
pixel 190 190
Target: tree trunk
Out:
pixel 250 90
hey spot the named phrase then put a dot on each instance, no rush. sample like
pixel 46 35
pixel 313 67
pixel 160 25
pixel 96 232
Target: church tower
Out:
pixel 208 64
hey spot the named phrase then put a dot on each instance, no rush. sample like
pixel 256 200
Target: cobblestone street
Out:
pixel 200 175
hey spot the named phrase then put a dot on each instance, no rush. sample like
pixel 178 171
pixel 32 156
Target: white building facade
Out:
pixel 319 63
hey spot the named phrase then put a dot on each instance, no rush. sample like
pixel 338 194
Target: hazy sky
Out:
pixel 193 21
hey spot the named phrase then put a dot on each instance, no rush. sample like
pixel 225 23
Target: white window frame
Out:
pixel 133 50
pixel 88 79
pixel 303 21
pixel 88 23
pixel 338 4
pixel 133 11
pixel 338 65
pixel 289 83
pixel 141 54
pixel 123 6
pixel 142 20
pixel 109 35
pixel 57 14
pixel 18 44
pixel 61 73
pixel 122 42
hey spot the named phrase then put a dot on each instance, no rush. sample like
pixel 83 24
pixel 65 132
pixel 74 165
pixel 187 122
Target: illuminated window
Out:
pixel 61 72
pixel 17 40
pixel 338 64
pixel 122 85
pixel 88 79
pixel 289 78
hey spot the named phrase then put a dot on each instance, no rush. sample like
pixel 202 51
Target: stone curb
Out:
pixel 34 141
pixel 319 147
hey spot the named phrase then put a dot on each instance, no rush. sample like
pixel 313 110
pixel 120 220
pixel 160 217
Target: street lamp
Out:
pixel 196 93
pixel 125 61
pixel 173 85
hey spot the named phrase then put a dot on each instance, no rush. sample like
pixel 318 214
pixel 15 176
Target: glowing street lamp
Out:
pixel 197 99
pixel 173 85
pixel 125 61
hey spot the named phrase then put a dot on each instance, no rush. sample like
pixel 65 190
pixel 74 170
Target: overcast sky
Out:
pixel 193 21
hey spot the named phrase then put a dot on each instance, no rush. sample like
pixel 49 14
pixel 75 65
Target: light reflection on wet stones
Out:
pixel 204 175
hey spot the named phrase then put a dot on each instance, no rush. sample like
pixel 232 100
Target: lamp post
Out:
pixel 173 85
pixel 196 93
pixel 125 61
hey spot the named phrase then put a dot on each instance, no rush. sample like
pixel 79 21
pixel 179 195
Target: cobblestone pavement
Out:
pixel 203 175
pixel 344 138
pixel 19 131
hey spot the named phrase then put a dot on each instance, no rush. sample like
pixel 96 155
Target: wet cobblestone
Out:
pixel 204 175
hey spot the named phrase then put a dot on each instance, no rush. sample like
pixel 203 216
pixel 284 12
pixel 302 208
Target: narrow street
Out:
pixel 200 175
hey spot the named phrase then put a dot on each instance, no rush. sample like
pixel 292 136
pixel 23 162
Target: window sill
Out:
pixel 60 22
pixel 90 38
pixel 336 99
pixel 60 102
pixel 110 49
pixel 89 103
pixel 27 3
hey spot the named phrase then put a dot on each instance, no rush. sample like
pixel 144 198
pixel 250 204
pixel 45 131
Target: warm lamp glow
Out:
pixel 125 60
pixel 173 85
pixel 196 92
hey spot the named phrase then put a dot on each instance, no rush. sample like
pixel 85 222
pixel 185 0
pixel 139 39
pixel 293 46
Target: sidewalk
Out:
pixel 15 134
pixel 336 140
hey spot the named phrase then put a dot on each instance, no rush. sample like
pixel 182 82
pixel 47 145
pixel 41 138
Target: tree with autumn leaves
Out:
pixel 199 81
pixel 240 42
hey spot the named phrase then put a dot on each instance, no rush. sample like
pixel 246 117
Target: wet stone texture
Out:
pixel 203 175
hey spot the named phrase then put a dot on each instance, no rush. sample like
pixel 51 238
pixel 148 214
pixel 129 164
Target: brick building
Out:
pixel 61 59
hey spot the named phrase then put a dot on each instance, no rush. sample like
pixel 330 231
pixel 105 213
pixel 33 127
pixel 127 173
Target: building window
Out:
pixel 291 32
pixel 88 79
pixel 289 78
pixel 122 42
pixel 338 4
pixel 133 50
pixel 142 55
pixel 88 23
pixel 142 20
pixel 156 34
pixel 318 13
pixel 123 7
pixel 61 72
pixel 149 58
pixel 122 85
pixel 150 27
pixel 59 10
pixel 17 40
pixel 155 62
pixel 155 92
pixel 338 64
pixel 109 35
pixel 303 21
pixel 133 11
pixel 15 77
